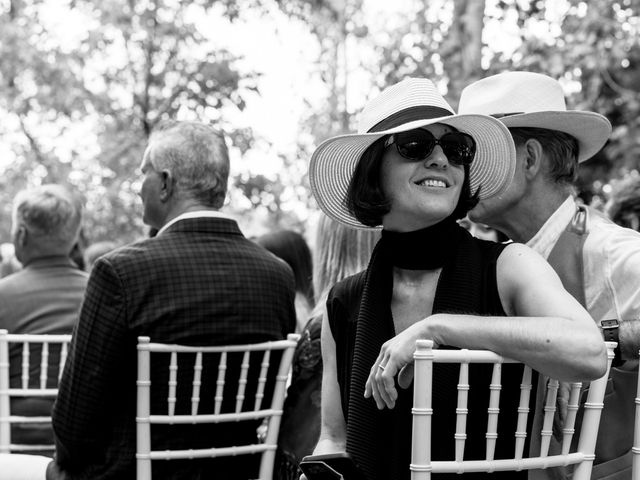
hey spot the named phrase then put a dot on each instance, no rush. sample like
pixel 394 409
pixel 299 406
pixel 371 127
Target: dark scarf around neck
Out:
pixel 457 291
pixel 425 249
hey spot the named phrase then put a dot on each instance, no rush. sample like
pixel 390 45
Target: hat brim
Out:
pixel 590 129
pixel 334 161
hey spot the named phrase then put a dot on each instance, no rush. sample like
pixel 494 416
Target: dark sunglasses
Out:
pixel 418 144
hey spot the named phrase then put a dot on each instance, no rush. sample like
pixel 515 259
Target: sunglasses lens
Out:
pixel 459 147
pixel 415 144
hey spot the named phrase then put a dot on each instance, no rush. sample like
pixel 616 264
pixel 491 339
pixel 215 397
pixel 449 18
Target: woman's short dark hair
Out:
pixel 367 202
pixel 365 199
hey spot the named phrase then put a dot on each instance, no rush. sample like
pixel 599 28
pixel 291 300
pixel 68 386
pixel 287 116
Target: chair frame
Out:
pixel 422 466
pixel 635 469
pixel 144 419
pixel 6 392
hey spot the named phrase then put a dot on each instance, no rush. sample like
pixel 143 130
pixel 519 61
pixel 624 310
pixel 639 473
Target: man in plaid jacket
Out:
pixel 198 282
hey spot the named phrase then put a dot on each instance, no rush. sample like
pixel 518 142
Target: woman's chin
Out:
pixel 413 224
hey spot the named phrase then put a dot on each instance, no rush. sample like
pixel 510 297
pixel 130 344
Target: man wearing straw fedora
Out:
pixel 597 260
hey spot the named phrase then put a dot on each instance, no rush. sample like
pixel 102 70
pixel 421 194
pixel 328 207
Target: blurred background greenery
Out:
pixel 83 82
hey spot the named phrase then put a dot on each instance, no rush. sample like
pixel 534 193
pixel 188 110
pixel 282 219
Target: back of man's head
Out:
pixel 46 221
pixel 560 149
pixel 197 157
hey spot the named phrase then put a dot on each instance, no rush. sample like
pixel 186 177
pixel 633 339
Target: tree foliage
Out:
pixel 136 64
pixel 592 48
pixel 78 105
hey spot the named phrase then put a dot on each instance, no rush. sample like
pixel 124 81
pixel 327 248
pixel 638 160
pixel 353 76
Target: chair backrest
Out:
pixel 422 466
pixel 39 377
pixel 262 400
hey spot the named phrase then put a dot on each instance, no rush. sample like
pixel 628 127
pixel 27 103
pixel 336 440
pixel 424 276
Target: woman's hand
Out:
pixel 395 358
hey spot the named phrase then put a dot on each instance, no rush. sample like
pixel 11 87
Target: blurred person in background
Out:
pixel 339 252
pixel 481 231
pixel 44 296
pixel 77 252
pixel 291 247
pixel 10 263
pixel 95 251
pixel 623 206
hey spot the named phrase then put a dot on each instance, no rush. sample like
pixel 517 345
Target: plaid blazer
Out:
pixel 200 282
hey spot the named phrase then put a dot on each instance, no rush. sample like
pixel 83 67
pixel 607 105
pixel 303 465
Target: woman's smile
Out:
pixel 431 181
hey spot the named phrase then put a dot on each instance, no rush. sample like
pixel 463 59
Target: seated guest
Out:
pixel 199 281
pixel 415 168
pixel 291 247
pixel 45 295
pixel 339 252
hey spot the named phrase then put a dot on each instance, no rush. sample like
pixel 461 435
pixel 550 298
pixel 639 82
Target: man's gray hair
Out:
pixel 197 157
pixel 561 150
pixel 50 213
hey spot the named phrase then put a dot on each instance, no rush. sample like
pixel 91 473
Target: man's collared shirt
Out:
pixel 546 238
pixel 196 214
pixel 611 256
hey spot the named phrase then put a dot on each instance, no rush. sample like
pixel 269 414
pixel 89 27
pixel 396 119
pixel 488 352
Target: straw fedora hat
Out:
pixel 526 99
pixel 407 105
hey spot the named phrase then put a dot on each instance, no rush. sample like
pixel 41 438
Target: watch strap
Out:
pixel 610 333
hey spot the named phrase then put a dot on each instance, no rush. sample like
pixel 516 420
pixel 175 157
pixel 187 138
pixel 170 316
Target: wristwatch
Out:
pixel 610 334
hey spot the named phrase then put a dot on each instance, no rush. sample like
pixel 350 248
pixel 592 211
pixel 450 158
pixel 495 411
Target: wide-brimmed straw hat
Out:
pixel 527 99
pixel 409 104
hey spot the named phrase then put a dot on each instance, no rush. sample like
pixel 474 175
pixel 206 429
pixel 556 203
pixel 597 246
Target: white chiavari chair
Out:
pixel 421 464
pixel 635 469
pixel 259 406
pixel 39 378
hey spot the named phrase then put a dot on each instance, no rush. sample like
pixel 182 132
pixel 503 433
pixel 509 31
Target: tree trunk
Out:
pixel 462 50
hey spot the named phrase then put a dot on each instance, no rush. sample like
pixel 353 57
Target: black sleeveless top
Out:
pixel 380 441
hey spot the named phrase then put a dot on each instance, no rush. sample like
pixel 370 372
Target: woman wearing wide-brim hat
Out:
pixel 413 169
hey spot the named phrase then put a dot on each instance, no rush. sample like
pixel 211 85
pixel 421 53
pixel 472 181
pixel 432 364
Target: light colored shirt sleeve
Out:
pixel 612 281
pixel 612 272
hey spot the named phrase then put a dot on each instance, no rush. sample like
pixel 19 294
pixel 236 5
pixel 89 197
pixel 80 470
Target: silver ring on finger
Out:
pixel 381 367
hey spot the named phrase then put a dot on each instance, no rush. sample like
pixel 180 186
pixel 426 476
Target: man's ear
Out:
pixel 533 158
pixel 167 186
pixel 21 236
